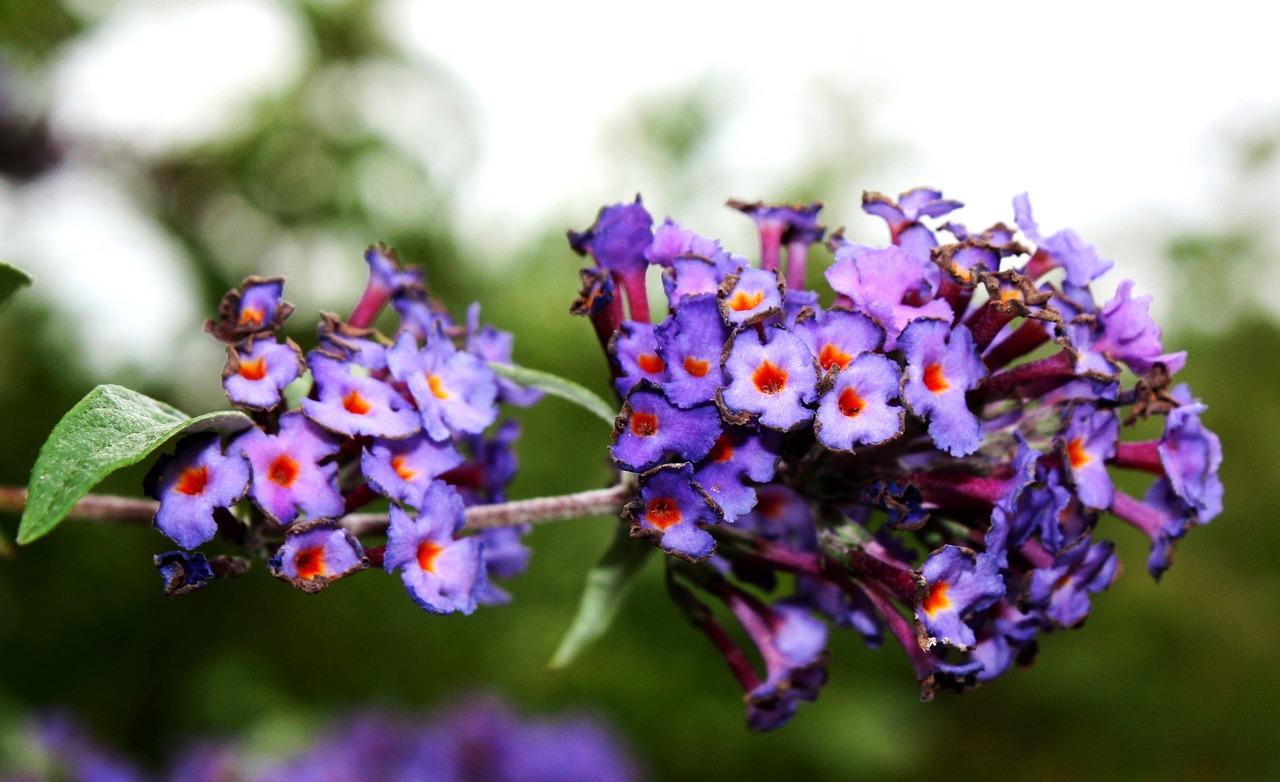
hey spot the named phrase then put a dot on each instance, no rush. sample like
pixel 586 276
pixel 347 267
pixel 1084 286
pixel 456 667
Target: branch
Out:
pixel 110 509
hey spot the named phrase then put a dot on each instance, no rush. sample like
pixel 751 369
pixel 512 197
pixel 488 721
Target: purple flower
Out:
pixel 942 364
pixel 772 377
pixel 619 238
pixel 1191 456
pixel 750 296
pixel 856 408
pixel 781 515
pixel 669 511
pixel 505 556
pixel 670 242
pixel 494 346
pixel 288 477
pixel 355 404
pixel 1130 336
pixel 191 484
pixel 255 308
pixel 795 225
pixel 483 477
pixel 403 469
pixel 1064 249
pixel 1006 634
pixel 362 347
pixel 635 349
pixel 316 554
pixel 70 753
pixel 1018 513
pixel 909 208
pixel 958 583
pixel 793 644
pixel 618 241
pixel 420 315
pixel 1079 570
pixel 442 573
pixel 255 378
pixel 880 281
pixel 836 336
pixel 1088 439
pixel 649 427
pixel 740 452
pixel 903 217
pixel 691 344
pixel 694 276
pixel 455 391
pixel 385 278
pixel 182 572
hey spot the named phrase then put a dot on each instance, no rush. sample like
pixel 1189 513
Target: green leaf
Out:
pixel 606 586
pixel 11 279
pixel 558 386
pixel 112 427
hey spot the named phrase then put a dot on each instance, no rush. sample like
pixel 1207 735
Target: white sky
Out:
pixel 1108 113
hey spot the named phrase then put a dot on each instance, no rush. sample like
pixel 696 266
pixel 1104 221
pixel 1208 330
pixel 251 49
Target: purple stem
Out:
pixel 797 259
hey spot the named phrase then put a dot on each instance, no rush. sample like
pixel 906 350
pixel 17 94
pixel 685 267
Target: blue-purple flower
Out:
pixel 316 554
pixel 255 377
pixel 455 391
pixel 291 471
pixel 190 485
pixel 442 572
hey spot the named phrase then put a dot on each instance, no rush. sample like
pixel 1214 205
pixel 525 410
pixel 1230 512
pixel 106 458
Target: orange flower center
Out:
pixel 283 471
pixel 400 465
pixel 769 379
pixel 252 316
pixel 937 599
pixel 722 451
pixel 437 387
pixel 933 379
pixel 662 512
pixel 830 356
pixel 192 481
pixel 745 300
pixel 850 403
pixel 644 424
pixel 356 404
pixel 311 563
pixel 427 553
pixel 1077 454
pixel 650 363
pixel 254 370
pixel 696 366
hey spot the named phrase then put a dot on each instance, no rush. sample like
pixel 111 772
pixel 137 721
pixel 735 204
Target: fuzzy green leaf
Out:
pixel 558 386
pixel 11 279
pixel 607 585
pixel 112 427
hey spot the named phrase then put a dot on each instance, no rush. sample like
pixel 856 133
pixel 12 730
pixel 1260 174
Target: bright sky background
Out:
pixel 1111 114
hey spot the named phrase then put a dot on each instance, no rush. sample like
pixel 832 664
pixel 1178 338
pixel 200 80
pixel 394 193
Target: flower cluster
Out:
pixel 475 739
pixel 930 453
pixel 406 421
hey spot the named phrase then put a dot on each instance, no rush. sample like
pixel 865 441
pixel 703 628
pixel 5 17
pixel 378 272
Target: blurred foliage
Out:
pixel 1175 681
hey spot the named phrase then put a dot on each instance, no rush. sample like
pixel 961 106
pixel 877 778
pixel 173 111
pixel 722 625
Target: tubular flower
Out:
pixel 919 413
pixel 402 419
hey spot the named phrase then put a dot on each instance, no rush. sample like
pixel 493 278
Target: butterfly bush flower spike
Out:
pixel 959 396
pixel 936 447
pixel 400 418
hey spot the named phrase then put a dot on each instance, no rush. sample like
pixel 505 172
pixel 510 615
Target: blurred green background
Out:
pixel 1175 681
